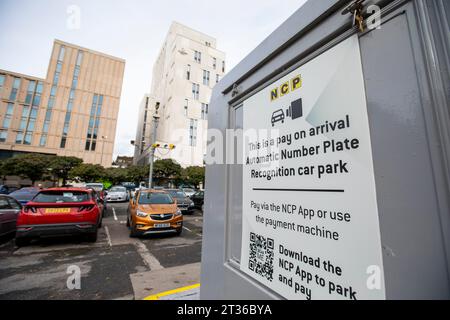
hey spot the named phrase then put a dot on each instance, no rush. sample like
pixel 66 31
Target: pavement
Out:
pixel 115 267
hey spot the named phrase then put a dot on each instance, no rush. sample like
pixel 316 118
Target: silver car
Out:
pixel 9 211
pixel 117 194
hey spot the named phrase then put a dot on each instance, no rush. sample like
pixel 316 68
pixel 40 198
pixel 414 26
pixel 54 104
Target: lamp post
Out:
pixel 152 150
pixel 104 138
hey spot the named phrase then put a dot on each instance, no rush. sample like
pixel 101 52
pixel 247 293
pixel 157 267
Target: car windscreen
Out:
pixel 177 194
pixel 189 190
pixel 155 198
pixel 24 194
pixel 96 187
pixel 118 189
pixel 61 197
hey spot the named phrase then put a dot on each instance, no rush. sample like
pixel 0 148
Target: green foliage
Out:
pixel 33 166
pixel 116 175
pixel 61 166
pixel 166 168
pixel 193 176
pixel 87 172
pixel 137 174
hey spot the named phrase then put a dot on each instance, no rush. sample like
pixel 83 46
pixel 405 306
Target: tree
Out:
pixel 33 166
pixel 116 175
pixel 61 166
pixel 137 174
pixel 87 172
pixel 166 169
pixel 194 176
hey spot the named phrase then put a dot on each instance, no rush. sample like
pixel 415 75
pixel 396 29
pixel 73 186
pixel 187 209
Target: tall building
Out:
pixel 72 112
pixel 187 69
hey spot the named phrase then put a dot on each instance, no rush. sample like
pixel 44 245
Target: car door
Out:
pixel 7 216
pixel 16 207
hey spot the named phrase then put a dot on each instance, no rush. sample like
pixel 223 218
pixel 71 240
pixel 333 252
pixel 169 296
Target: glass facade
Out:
pixel 2 81
pixel 193 133
pixel 94 122
pixel 76 74
pixel 51 100
pixel 206 75
pixel 8 115
pixel 14 89
pixel 205 111
pixel 195 91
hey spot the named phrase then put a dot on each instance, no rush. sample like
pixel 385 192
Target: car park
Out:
pixel 60 212
pixel 25 195
pixel 9 210
pixel 117 194
pixel 185 204
pixel 153 212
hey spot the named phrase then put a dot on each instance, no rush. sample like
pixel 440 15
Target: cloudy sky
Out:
pixel 133 30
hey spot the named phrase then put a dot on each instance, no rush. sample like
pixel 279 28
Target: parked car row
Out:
pixel 53 212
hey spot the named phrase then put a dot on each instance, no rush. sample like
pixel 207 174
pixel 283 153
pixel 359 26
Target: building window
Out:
pixel 217 78
pixel 193 133
pixel 30 91
pixel 69 108
pixel 186 107
pixel 206 77
pixel 3 136
pixel 2 81
pixel 188 72
pixel 43 140
pixel 94 123
pixel 195 91
pixel 205 111
pixel 223 66
pixel 52 98
pixel 214 63
pixel 14 89
pixel 8 115
pixel 19 137
pixel 198 56
pixel 208 44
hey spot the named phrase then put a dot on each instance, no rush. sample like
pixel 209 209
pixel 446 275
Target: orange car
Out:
pixel 153 211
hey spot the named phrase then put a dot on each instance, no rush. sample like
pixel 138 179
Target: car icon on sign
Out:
pixel 278 116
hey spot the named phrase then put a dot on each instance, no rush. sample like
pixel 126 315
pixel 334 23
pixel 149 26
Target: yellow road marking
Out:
pixel 168 293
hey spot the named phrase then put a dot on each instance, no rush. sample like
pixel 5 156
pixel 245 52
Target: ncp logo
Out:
pixel 287 87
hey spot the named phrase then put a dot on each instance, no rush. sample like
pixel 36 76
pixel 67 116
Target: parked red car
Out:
pixel 60 212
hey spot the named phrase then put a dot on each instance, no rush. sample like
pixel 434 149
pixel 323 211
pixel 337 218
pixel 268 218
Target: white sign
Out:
pixel 310 217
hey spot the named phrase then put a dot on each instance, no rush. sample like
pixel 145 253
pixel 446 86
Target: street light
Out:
pixel 104 138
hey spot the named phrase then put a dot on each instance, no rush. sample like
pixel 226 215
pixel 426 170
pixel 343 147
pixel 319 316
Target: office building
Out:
pixel 72 112
pixel 184 74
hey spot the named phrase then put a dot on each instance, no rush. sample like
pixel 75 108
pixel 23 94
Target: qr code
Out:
pixel 261 256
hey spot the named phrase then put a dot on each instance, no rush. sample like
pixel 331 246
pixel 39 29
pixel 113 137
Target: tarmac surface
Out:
pixel 115 267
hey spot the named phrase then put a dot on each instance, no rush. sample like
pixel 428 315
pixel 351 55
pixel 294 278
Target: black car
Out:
pixel 198 198
pixel 185 204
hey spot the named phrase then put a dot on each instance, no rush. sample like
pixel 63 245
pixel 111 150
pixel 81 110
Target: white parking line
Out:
pixel 148 258
pixel 197 234
pixel 114 213
pixel 108 236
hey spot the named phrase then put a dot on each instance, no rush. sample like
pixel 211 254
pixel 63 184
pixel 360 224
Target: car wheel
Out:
pixel 22 242
pixel 133 232
pixel 128 222
pixel 100 224
pixel 179 231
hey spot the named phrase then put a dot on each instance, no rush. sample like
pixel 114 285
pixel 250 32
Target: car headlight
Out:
pixel 178 213
pixel 141 214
